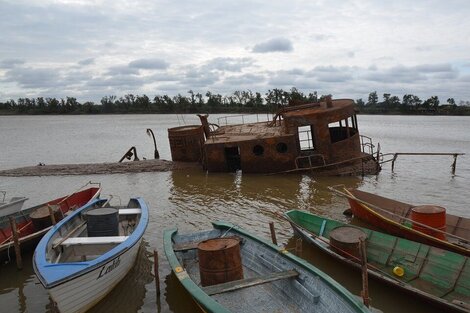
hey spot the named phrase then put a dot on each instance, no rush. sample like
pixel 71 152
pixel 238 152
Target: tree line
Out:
pixel 237 102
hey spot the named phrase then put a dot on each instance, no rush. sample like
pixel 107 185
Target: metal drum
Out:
pixel 103 222
pixel 430 215
pixel 345 240
pixel 41 217
pixel 186 143
pixel 219 261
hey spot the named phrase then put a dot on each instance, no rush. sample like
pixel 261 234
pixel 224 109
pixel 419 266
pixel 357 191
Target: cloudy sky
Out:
pixel 91 49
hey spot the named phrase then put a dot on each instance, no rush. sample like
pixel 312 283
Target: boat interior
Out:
pixel 400 212
pixel 76 242
pixel 271 282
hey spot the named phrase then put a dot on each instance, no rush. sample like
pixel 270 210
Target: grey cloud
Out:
pixel 33 77
pixel 229 64
pixel 149 64
pixel 122 81
pixel 86 61
pixel 122 70
pixel 334 77
pixel 274 45
pixel 247 79
pixel 433 68
pixel 11 63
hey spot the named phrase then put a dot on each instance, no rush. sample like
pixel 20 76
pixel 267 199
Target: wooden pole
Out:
pixel 365 283
pixel 273 233
pixel 16 243
pixel 454 164
pixel 155 269
pixel 51 214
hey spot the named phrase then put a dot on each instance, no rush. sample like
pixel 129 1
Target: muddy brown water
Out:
pixel 189 199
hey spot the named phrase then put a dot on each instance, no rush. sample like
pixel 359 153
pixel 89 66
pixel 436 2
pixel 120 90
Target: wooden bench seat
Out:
pixel 130 211
pixel 248 282
pixel 72 241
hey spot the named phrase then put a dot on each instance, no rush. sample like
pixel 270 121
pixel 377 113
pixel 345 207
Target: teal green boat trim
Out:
pixel 210 305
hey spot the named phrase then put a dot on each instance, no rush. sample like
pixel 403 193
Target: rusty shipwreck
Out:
pixel 322 137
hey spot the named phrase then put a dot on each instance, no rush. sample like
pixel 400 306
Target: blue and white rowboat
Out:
pixel 79 268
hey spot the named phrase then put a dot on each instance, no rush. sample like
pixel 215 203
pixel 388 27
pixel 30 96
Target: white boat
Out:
pixel 12 205
pixel 82 258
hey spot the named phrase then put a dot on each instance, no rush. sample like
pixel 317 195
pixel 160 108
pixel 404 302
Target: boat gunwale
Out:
pixel 209 303
pixel 39 257
pixel 390 280
pixel 24 213
pixel 450 246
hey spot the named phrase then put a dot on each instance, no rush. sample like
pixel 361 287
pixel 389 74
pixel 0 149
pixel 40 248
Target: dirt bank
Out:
pixel 99 168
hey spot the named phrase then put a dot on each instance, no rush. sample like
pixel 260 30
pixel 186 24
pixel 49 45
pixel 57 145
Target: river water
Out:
pixel 190 199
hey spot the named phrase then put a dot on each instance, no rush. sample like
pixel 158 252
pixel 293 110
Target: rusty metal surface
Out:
pixel 219 261
pixel 273 147
pixel 186 143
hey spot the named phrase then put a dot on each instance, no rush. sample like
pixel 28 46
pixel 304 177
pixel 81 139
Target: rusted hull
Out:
pixel 379 221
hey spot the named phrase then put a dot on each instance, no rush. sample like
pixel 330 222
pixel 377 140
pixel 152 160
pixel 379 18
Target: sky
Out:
pixel 91 49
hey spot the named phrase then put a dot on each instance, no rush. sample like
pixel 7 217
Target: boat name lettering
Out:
pixel 108 268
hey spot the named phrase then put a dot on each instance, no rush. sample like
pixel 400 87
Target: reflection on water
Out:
pixel 192 199
pixel 129 294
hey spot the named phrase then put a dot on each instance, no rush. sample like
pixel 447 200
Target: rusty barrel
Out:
pixel 41 217
pixel 219 261
pixel 345 240
pixel 431 215
pixel 186 143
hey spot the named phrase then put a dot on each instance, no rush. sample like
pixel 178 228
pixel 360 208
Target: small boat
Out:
pixel 32 223
pixel 82 258
pixel 13 205
pixel 437 275
pixel 226 269
pixel 427 224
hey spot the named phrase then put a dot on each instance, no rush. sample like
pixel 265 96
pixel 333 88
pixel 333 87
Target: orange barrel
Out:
pixel 345 240
pixel 430 215
pixel 41 217
pixel 219 261
pixel 186 143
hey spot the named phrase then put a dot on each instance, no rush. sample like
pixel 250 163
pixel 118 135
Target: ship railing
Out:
pixel 244 118
pixel 309 158
pixel 367 145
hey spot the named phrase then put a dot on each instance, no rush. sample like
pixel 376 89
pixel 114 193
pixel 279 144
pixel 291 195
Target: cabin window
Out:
pixel 306 139
pixel 342 129
pixel 258 150
pixel 281 147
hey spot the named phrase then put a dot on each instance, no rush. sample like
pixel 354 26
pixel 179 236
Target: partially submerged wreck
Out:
pixel 322 137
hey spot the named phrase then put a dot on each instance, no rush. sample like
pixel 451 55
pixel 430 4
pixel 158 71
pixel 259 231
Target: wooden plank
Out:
pixel 93 240
pixel 185 246
pixel 248 282
pixel 130 211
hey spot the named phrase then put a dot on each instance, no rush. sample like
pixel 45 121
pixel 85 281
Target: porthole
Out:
pixel 281 147
pixel 258 150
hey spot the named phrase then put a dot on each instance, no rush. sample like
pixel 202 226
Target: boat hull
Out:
pixel 306 290
pixel 13 206
pixel 391 226
pixel 417 271
pixel 83 292
pixel 28 234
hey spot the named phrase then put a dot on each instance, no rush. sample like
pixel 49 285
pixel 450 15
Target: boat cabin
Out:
pixel 322 137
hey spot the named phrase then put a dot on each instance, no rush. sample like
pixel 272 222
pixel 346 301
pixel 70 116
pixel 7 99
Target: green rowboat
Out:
pixel 273 279
pixel 437 275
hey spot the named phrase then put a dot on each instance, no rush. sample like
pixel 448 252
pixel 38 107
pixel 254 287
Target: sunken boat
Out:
pixel 321 137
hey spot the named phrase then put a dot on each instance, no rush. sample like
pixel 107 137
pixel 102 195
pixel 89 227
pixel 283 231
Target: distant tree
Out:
pixel 373 99
pixel 451 101
pixel 360 103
